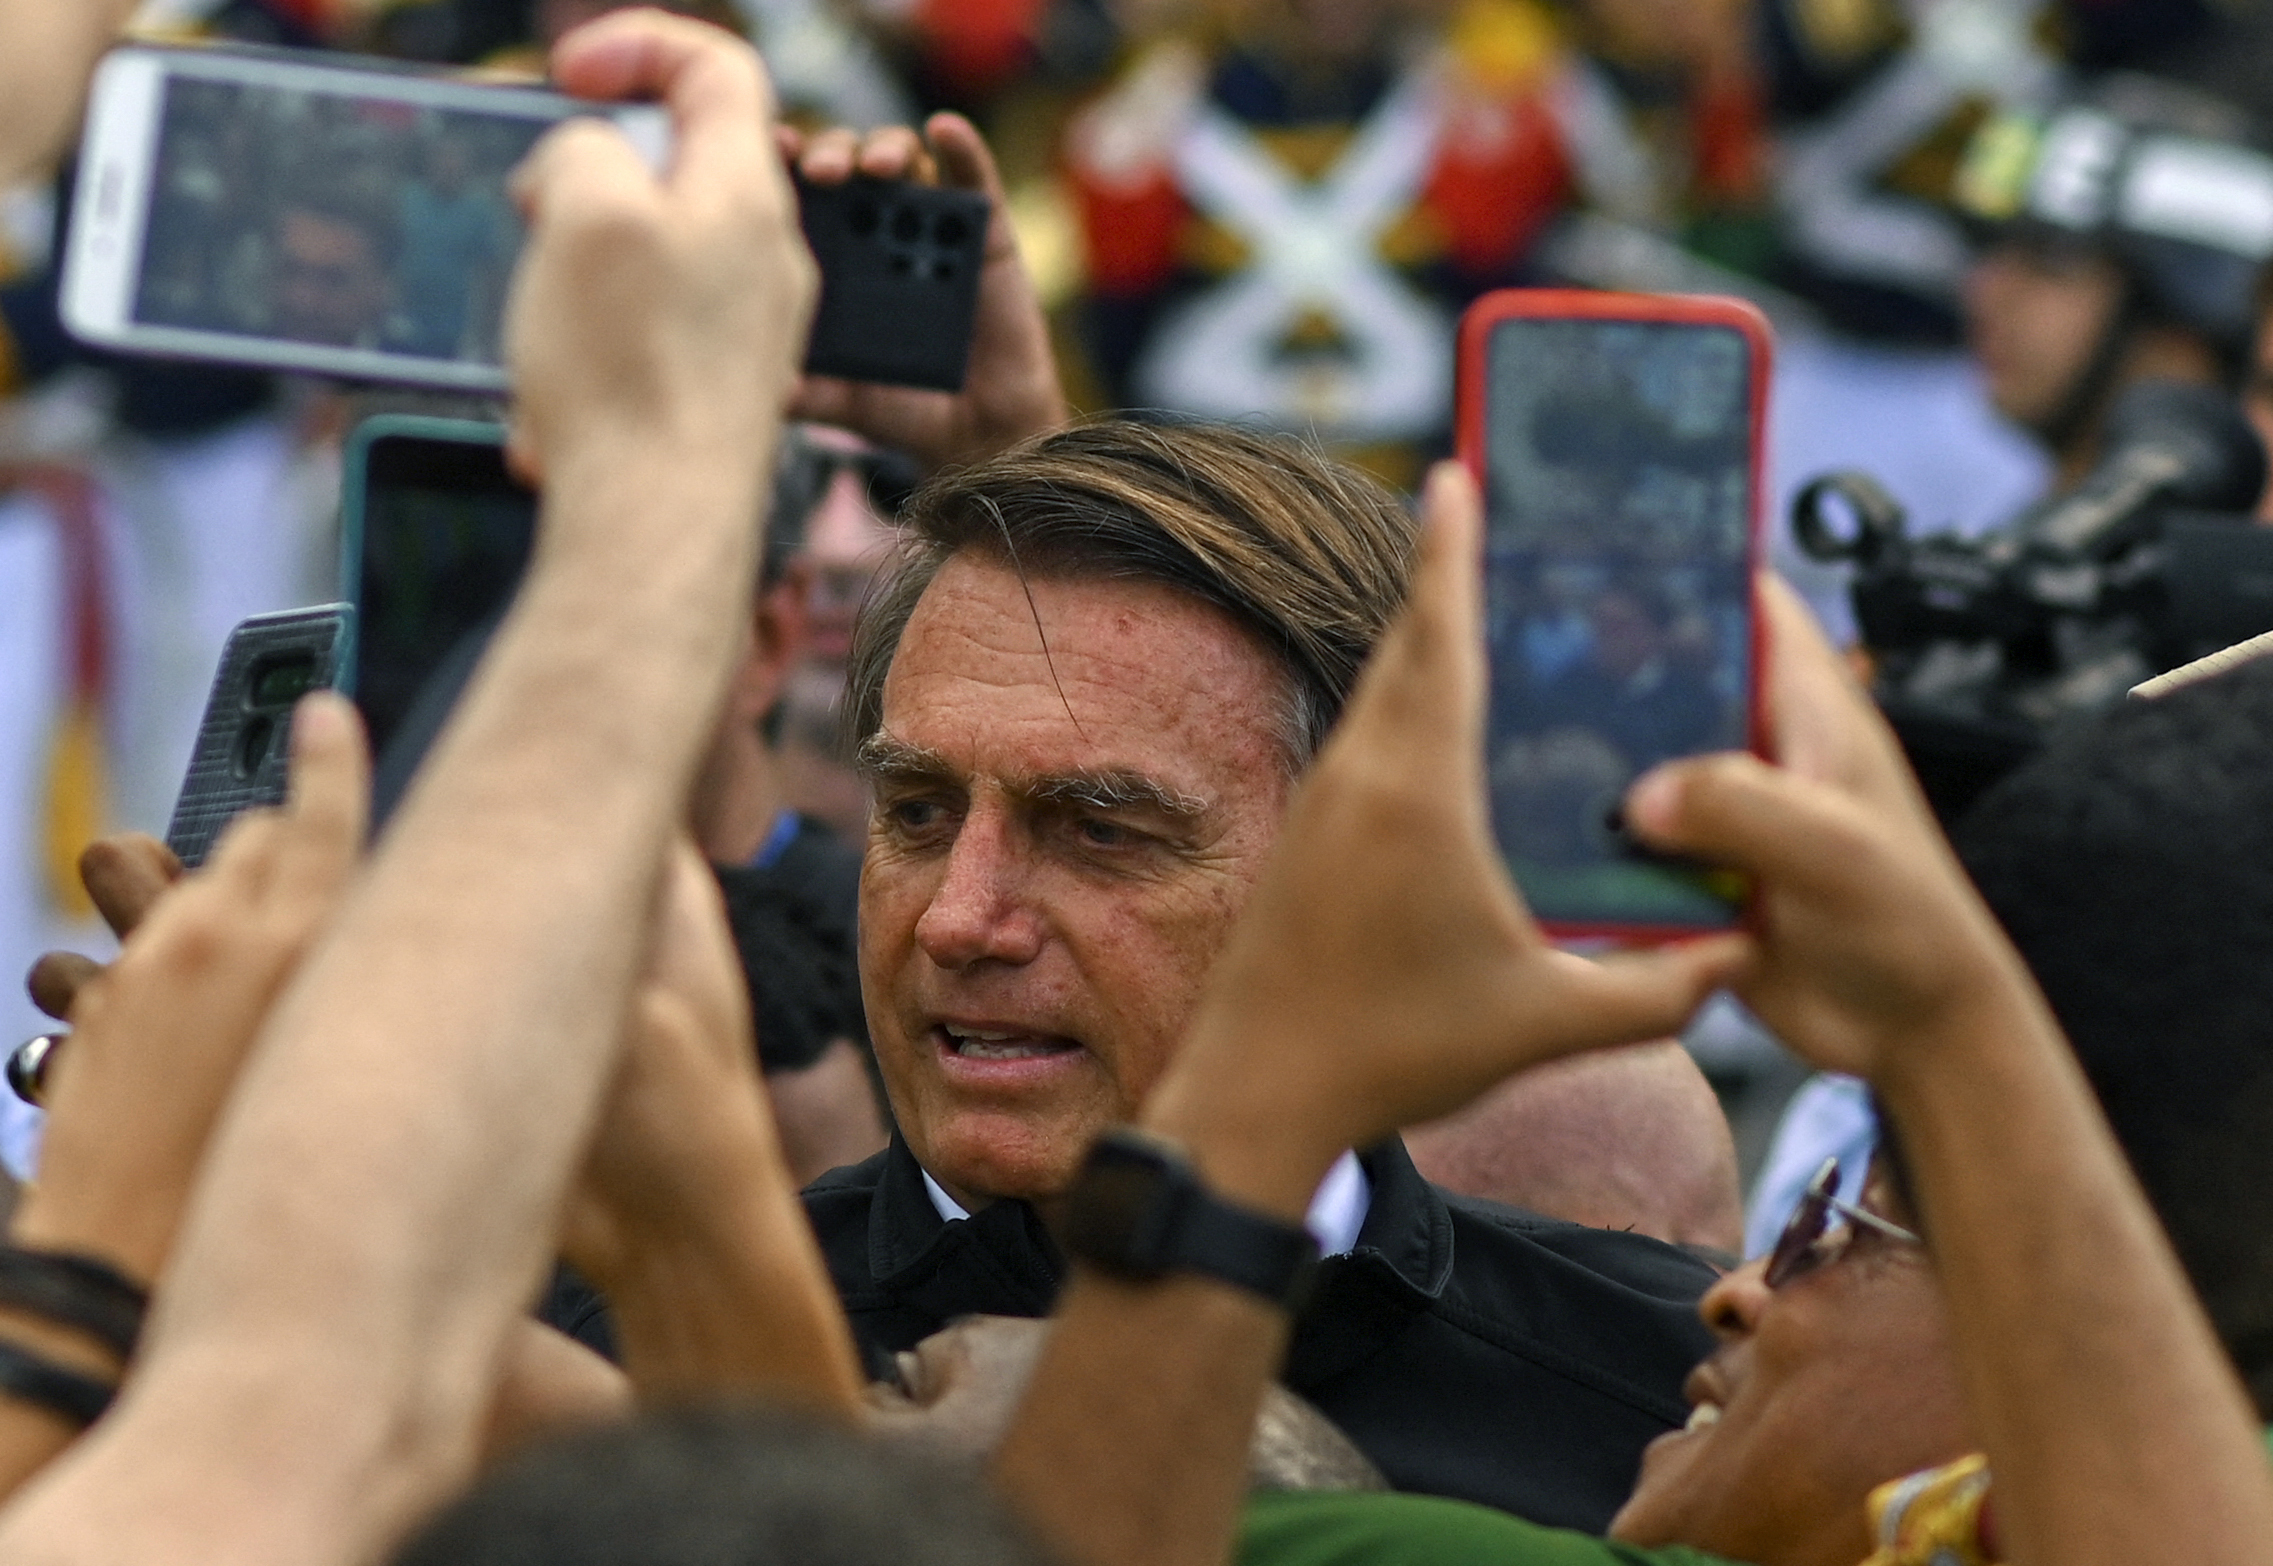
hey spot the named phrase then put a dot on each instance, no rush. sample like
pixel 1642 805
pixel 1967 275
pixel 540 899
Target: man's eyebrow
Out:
pixel 882 757
pixel 1113 788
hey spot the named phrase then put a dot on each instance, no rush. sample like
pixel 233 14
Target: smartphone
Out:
pixel 1617 442
pixel 348 218
pixel 243 753
pixel 899 280
pixel 351 218
pixel 435 538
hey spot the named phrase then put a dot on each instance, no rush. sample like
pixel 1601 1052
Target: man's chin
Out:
pixel 983 1157
pixel 1651 1515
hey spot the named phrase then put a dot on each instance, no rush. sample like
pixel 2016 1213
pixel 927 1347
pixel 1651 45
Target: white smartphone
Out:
pixel 344 217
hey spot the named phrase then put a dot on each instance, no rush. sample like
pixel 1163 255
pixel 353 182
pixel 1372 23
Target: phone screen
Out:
pixel 1619 499
pixel 446 534
pixel 330 219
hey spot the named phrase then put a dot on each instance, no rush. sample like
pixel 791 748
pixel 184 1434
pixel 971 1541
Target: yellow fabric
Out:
pixel 1932 1518
pixel 77 785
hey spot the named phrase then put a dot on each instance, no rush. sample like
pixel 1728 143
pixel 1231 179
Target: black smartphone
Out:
pixel 1617 439
pixel 899 280
pixel 243 754
pixel 436 535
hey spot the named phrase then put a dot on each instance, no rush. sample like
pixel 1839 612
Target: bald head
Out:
pixel 1618 1139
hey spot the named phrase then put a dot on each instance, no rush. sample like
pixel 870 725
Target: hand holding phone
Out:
pixel 1617 439
pixel 1008 388
pixel 243 753
pixel 358 219
pixel 658 310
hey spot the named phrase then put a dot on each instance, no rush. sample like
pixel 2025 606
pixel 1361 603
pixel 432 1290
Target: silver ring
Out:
pixel 29 1065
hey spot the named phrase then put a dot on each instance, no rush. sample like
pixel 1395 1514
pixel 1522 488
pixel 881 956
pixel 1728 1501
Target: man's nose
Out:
pixel 978 912
pixel 1732 1306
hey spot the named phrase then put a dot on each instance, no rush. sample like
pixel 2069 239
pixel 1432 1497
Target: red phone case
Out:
pixel 1682 309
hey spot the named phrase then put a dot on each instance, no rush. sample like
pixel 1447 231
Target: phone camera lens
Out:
pixel 950 230
pixel 863 218
pixel 907 225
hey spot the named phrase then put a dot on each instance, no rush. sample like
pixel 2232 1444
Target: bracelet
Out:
pixel 31 1379
pixel 75 1291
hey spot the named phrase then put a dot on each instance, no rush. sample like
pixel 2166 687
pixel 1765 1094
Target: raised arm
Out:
pixel 411 1117
pixel 2112 1421
pixel 686 1216
pixel 158 1038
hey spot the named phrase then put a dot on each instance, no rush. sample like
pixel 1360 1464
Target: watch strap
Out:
pixel 1246 1249
pixel 1139 1210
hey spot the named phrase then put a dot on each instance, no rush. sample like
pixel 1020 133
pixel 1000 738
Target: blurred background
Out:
pixel 1263 209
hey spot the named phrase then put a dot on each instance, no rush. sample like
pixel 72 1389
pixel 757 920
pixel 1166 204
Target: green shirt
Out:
pixel 1347 1528
pixel 1344 1528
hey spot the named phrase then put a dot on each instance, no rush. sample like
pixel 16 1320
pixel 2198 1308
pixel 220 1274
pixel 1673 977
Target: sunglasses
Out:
pixel 806 468
pixel 1809 1241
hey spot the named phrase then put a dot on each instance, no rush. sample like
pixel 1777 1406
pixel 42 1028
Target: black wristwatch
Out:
pixel 1138 1210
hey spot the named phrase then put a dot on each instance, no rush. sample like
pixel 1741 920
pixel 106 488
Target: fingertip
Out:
pixel 961 151
pixel 1653 802
pixel 321 721
pixel 1721 961
pixel 1451 511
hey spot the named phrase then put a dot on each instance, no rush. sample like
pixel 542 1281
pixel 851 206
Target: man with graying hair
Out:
pixel 1084 698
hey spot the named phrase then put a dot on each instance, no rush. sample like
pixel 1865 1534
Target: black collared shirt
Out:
pixel 1469 1349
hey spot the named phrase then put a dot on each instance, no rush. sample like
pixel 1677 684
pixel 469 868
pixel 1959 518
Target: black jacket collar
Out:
pixel 1401 1263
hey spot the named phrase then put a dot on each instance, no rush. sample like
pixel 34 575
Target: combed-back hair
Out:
pixel 725 1487
pixel 1308 553
pixel 2131 862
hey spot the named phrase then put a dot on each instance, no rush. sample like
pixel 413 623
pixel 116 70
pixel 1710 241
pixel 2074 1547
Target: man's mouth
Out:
pixel 1704 1416
pixel 995 1044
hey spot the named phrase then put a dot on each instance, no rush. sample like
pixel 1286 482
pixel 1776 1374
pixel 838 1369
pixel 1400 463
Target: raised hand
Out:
pixel 1012 389
pixel 686 1119
pixel 1385 971
pixel 685 1214
pixel 159 1035
pixel 647 307
pixel 1871 937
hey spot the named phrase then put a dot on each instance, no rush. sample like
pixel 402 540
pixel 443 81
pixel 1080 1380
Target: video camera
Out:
pixel 1982 647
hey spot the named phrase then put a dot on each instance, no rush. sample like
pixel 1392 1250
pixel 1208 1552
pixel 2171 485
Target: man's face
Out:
pixel 2034 316
pixel 330 287
pixel 1826 1388
pixel 1061 839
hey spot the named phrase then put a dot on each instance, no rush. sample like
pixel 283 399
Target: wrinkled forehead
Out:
pixel 1084 670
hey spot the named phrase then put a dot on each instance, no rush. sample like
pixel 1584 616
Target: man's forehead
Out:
pixel 1077 675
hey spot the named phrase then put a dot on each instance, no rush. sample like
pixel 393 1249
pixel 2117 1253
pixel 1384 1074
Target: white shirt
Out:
pixel 1336 1214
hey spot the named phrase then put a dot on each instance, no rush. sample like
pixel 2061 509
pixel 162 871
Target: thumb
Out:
pixel 1736 811
pixel 1632 995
